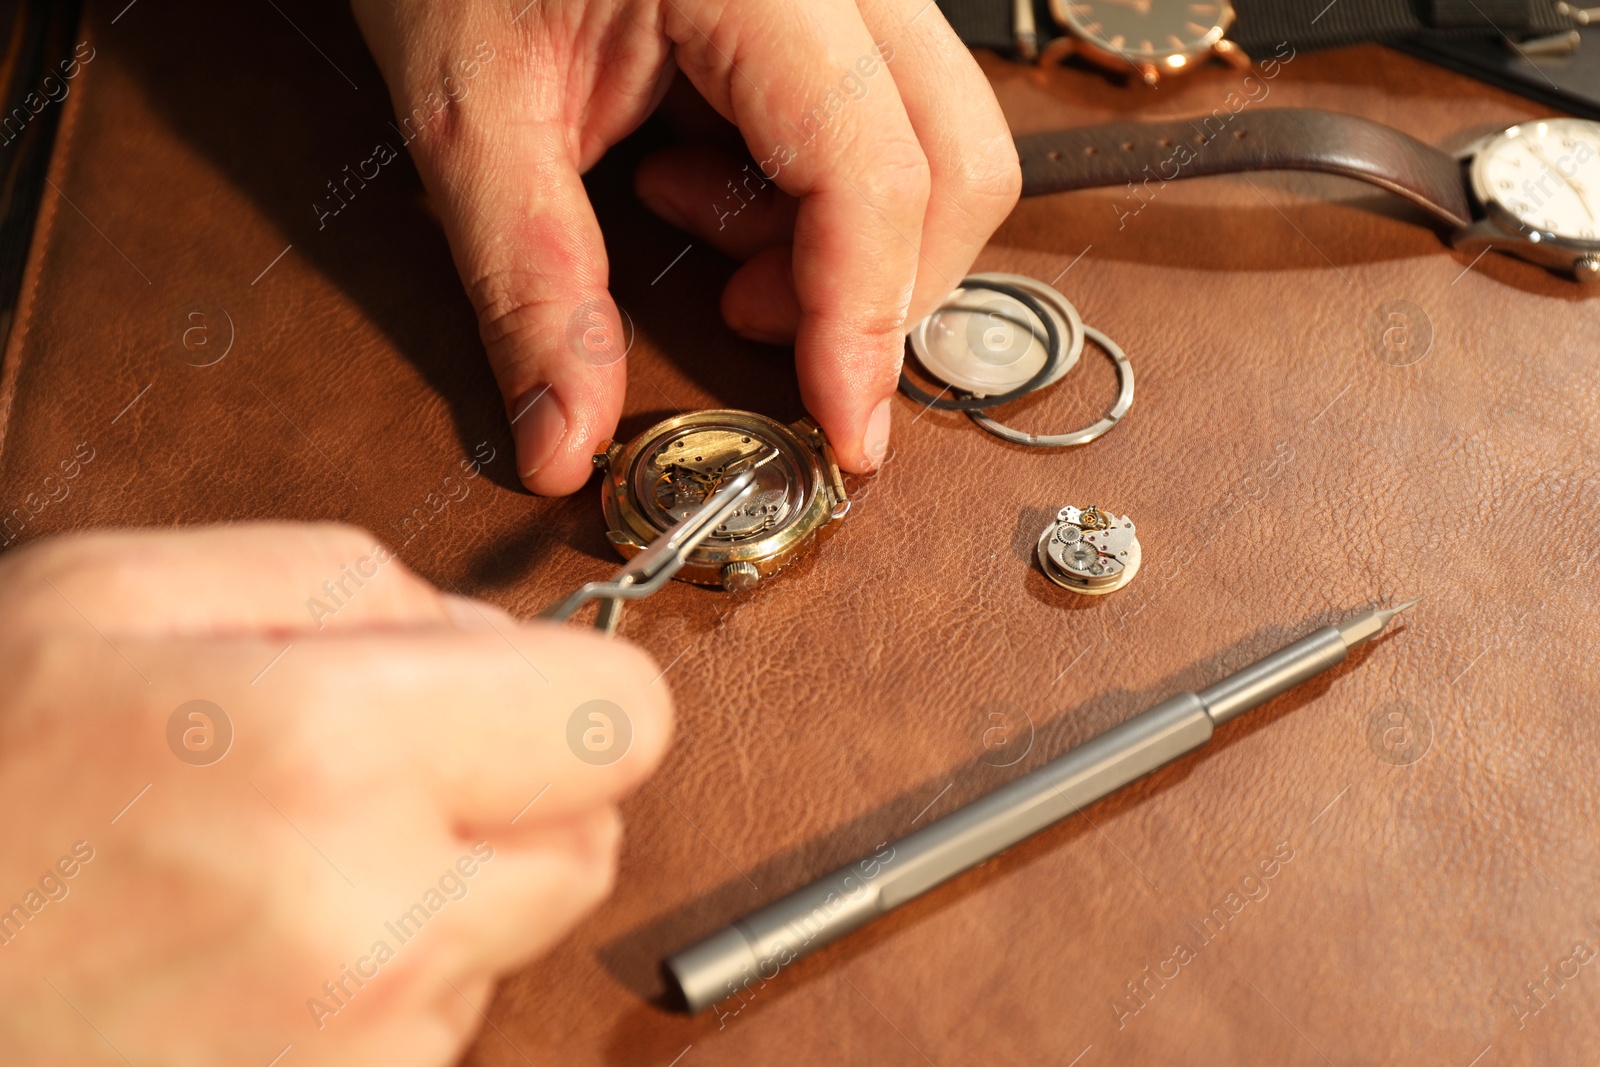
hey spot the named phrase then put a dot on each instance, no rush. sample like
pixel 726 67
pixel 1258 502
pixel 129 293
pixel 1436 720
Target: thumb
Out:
pixel 529 249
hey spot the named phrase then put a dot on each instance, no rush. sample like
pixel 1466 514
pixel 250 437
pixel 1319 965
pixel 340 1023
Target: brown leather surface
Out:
pixel 1282 468
pixel 1232 140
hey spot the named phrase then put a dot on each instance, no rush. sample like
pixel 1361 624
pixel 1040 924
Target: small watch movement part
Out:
pixel 1089 550
pixel 670 471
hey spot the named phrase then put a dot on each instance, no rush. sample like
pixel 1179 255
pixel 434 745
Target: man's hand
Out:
pixel 878 165
pixel 385 800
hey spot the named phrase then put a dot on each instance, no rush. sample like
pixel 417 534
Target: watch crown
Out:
pixel 740 577
pixel 1587 269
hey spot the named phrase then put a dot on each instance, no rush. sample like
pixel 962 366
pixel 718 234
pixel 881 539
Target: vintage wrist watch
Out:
pixel 669 471
pixel 1152 38
pixel 1532 190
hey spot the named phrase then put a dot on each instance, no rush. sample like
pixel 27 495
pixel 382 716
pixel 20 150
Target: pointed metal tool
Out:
pixel 666 555
pixel 755 948
pixel 1369 624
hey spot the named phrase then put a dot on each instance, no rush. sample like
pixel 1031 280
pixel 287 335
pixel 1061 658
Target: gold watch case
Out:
pixel 670 469
pixel 1153 38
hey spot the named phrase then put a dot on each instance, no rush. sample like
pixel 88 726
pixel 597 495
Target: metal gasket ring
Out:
pixel 1120 408
pixel 1053 345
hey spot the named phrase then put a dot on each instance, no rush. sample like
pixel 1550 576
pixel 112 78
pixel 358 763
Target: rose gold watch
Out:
pixel 1151 38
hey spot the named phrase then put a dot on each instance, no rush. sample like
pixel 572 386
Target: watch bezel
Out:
pixel 1098 50
pixel 1501 215
pixel 824 500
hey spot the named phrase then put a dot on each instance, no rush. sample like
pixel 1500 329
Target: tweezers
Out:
pixel 663 557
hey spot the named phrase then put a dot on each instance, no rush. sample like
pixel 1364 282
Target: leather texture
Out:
pixel 1227 141
pixel 1296 451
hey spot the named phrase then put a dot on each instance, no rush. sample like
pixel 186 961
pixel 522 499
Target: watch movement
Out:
pixel 1089 550
pixel 668 472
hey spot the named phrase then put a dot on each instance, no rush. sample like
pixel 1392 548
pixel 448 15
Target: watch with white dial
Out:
pixel 1532 190
pixel 1539 186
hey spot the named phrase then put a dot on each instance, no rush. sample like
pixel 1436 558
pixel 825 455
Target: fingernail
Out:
pixel 875 442
pixel 666 210
pixel 762 337
pixel 538 423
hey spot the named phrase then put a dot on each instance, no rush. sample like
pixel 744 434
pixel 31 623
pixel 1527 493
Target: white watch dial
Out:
pixel 1546 175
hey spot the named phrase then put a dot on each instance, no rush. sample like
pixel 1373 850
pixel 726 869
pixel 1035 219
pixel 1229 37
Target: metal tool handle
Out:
pixel 804 921
pixel 754 948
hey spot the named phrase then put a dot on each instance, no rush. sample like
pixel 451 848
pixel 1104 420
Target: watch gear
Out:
pixel 1089 550
pixel 669 471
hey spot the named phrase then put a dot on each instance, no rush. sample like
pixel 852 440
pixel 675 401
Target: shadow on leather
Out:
pixel 286 128
pixel 635 959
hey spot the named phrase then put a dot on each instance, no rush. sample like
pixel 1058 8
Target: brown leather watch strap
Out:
pixel 1222 143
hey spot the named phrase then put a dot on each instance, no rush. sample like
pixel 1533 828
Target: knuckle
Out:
pixel 898 176
pixel 509 303
pixel 882 321
pixel 989 181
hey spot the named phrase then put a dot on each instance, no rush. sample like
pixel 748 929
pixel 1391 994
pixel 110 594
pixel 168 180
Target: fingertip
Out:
pixel 860 442
pixel 559 478
pixel 759 301
pixel 656 181
pixel 875 442
pixel 592 840
pixel 590 844
pixel 556 431
pixel 848 382
pixel 538 424
pixel 469 613
pixel 655 697
pixel 640 692
pixel 722 197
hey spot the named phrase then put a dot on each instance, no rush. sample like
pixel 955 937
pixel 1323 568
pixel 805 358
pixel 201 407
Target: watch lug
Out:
pixel 1480 235
pixel 1058 50
pixel 839 500
pixel 1465 154
pixel 1232 54
pixel 623 539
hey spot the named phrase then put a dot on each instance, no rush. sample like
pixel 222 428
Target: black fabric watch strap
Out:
pixel 1148 155
pixel 1262 25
